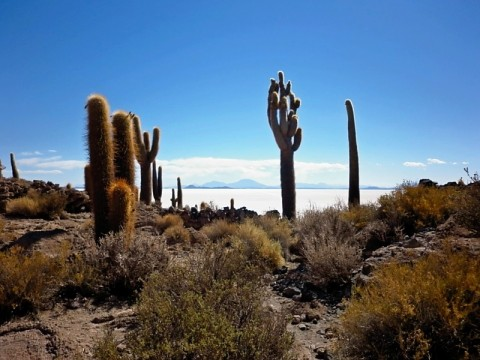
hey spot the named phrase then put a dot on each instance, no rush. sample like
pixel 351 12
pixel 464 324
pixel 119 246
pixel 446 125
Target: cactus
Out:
pixel 1 169
pixel 15 174
pixel 157 183
pixel 122 206
pixel 87 180
pixel 354 179
pixel 179 194
pixel 145 157
pixel 288 136
pixel 173 199
pixel 124 150
pixel 101 161
pixel 232 204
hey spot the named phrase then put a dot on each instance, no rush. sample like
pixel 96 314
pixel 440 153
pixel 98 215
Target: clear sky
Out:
pixel 200 70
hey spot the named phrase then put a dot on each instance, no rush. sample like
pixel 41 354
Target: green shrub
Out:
pixel 429 310
pixel 35 204
pixel 328 245
pixel 257 245
pixel 414 207
pixel 279 230
pixel 28 281
pixel 205 309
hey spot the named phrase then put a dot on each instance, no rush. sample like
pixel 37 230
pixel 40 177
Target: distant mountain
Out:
pixel 252 184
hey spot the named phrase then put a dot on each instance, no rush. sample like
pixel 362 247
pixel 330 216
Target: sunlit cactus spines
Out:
pixel 122 207
pixel 13 163
pixel 124 149
pixel 283 120
pixel 145 156
pixel 354 177
pixel 1 169
pixel 100 149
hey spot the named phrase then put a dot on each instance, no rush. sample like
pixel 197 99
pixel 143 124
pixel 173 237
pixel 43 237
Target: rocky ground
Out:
pixel 70 329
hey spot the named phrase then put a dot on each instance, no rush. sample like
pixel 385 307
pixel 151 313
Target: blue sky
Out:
pixel 200 70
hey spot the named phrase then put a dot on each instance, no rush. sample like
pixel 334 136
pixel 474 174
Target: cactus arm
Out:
pixel 155 142
pixel 140 153
pixel 297 140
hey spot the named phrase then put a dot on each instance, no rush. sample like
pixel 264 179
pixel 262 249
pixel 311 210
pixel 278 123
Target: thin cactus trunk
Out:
pixel 354 177
pixel 287 176
pixel 15 173
pixel 179 194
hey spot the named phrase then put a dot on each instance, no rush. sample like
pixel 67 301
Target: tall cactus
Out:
pixel 123 146
pixel 283 104
pixel 179 194
pixel 157 183
pixel 15 173
pixel 354 178
pixel 101 161
pixel 145 157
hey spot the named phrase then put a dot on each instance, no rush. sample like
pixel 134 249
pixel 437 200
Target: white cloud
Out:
pixel 199 170
pixel 63 164
pixel 435 161
pixel 46 172
pixel 34 161
pixel 30 153
pixel 414 164
pixel 465 162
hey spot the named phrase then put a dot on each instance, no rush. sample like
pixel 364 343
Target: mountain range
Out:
pixel 252 184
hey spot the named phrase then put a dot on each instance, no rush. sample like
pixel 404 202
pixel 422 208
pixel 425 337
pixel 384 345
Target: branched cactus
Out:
pixel 15 173
pixel 123 146
pixel 113 199
pixel 354 178
pixel 145 157
pixel 283 120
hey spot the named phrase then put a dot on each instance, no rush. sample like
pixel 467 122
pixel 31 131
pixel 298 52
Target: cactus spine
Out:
pixel 122 206
pixel 354 178
pixel 179 194
pixel 124 151
pixel 15 173
pixel 283 120
pixel 145 157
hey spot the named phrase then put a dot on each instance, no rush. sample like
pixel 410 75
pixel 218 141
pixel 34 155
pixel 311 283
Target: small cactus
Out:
pixel 145 156
pixel 288 136
pixel 121 197
pixel 354 178
pixel 173 199
pixel 157 183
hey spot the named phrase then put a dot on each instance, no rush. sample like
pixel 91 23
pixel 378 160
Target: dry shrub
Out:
pixel 177 234
pixel 430 310
pixel 186 312
pixel 280 230
pixel 257 245
pixel 118 266
pixel 360 216
pixel 328 245
pixel 219 229
pixel 28 281
pixel 414 207
pixel 468 207
pixel 35 204
pixel 162 223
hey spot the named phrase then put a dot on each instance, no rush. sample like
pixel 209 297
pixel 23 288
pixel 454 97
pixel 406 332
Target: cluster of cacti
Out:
pixel 15 173
pixel 110 154
pixel 145 156
pixel 354 178
pixel 177 201
pixel 283 120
